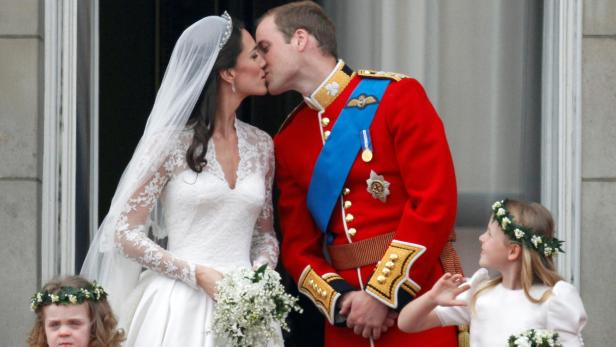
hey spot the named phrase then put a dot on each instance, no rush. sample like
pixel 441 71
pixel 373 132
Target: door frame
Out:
pixel 561 137
pixel 560 133
pixel 60 133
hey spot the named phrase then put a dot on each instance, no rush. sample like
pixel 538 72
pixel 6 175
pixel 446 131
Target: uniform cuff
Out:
pixel 324 291
pixel 390 283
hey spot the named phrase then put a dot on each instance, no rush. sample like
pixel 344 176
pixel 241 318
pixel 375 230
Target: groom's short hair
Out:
pixel 309 16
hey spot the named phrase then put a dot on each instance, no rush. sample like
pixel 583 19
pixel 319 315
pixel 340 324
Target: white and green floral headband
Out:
pixel 545 246
pixel 67 296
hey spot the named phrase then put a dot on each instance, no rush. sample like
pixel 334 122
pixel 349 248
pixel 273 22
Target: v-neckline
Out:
pixel 239 162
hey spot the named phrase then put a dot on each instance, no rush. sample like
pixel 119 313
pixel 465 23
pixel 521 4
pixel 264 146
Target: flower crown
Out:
pixel 542 244
pixel 68 295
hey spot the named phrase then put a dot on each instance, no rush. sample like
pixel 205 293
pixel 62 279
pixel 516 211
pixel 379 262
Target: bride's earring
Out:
pixel 233 86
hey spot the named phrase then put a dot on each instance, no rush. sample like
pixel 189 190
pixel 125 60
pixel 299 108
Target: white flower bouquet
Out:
pixel 252 304
pixel 535 338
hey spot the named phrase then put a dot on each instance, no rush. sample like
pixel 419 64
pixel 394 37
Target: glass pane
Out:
pixel 84 100
pixel 480 62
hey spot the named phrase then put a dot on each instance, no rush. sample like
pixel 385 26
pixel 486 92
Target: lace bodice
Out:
pixel 205 220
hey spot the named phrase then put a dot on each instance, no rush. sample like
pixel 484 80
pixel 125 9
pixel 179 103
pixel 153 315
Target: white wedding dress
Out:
pixel 207 222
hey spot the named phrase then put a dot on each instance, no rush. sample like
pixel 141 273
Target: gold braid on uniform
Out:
pixel 324 291
pixel 390 282
pixel 449 257
pixel 451 264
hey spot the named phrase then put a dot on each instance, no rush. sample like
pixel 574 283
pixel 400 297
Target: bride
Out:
pixel 198 176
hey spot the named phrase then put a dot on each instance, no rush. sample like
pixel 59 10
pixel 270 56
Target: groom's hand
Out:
pixel 365 315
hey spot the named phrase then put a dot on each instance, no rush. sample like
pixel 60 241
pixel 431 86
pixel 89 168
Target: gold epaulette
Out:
pixel 319 291
pixel 382 74
pixel 392 273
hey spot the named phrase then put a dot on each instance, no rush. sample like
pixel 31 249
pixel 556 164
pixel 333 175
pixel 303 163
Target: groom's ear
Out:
pixel 227 75
pixel 300 39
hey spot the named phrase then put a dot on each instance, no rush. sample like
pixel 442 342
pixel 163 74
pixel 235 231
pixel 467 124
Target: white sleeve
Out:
pixel 131 233
pixel 566 314
pixel 461 315
pixel 264 248
pixel 453 315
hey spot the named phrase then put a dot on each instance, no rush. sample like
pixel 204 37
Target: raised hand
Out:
pixel 447 288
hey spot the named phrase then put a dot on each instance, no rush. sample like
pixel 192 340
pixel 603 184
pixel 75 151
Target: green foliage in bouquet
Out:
pixel 252 304
pixel 535 338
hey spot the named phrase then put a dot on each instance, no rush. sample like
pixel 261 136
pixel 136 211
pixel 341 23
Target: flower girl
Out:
pixel 72 311
pixel 528 293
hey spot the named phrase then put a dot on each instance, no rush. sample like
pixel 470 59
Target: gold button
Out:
pixel 324 294
pixel 311 282
pixel 352 231
pixel 389 264
pixel 324 121
pixel 346 191
pixel 347 204
pixel 314 286
pixel 349 218
pixel 393 257
pixel 386 271
pixel 326 134
pixel 381 279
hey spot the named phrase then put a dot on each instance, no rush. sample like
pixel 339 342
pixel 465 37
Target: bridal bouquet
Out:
pixel 535 338
pixel 251 305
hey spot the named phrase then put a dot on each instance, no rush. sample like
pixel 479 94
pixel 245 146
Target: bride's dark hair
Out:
pixel 202 117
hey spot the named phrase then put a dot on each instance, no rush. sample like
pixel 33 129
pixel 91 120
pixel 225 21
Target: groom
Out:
pixel 367 185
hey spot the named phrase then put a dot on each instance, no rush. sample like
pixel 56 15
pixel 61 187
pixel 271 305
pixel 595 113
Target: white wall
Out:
pixel 21 71
pixel 599 171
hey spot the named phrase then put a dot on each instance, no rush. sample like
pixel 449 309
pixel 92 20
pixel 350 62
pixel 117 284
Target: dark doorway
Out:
pixel 136 41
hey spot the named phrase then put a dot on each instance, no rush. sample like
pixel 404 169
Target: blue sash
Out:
pixel 340 150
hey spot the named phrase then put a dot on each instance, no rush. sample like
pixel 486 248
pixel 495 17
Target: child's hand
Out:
pixel 447 288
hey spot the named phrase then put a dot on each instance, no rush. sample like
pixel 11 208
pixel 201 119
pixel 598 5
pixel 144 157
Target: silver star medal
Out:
pixel 378 187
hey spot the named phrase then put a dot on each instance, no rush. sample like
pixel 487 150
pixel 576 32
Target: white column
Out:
pixel 59 154
pixel 561 127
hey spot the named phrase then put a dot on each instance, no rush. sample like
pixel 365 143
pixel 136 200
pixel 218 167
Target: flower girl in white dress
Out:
pixel 208 177
pixel 528 294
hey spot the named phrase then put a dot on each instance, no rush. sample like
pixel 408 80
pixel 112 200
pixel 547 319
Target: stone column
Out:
pixel 21 124
pixel 599 171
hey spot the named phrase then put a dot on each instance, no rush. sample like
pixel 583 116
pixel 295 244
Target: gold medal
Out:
pixel 366 155
pixel 366 144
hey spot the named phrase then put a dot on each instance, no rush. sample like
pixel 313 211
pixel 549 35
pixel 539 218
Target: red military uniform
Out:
pixel 413 210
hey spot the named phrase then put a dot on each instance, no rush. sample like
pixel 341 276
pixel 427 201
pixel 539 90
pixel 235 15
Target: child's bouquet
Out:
pixel 535 338
pixel 252 304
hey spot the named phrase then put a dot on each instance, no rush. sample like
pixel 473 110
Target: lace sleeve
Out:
pixel 264 248
pixel 130 236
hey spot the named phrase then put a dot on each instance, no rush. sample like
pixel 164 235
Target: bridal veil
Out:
pixel 189 68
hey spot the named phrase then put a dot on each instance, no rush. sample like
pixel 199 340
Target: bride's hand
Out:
pixel 207 279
